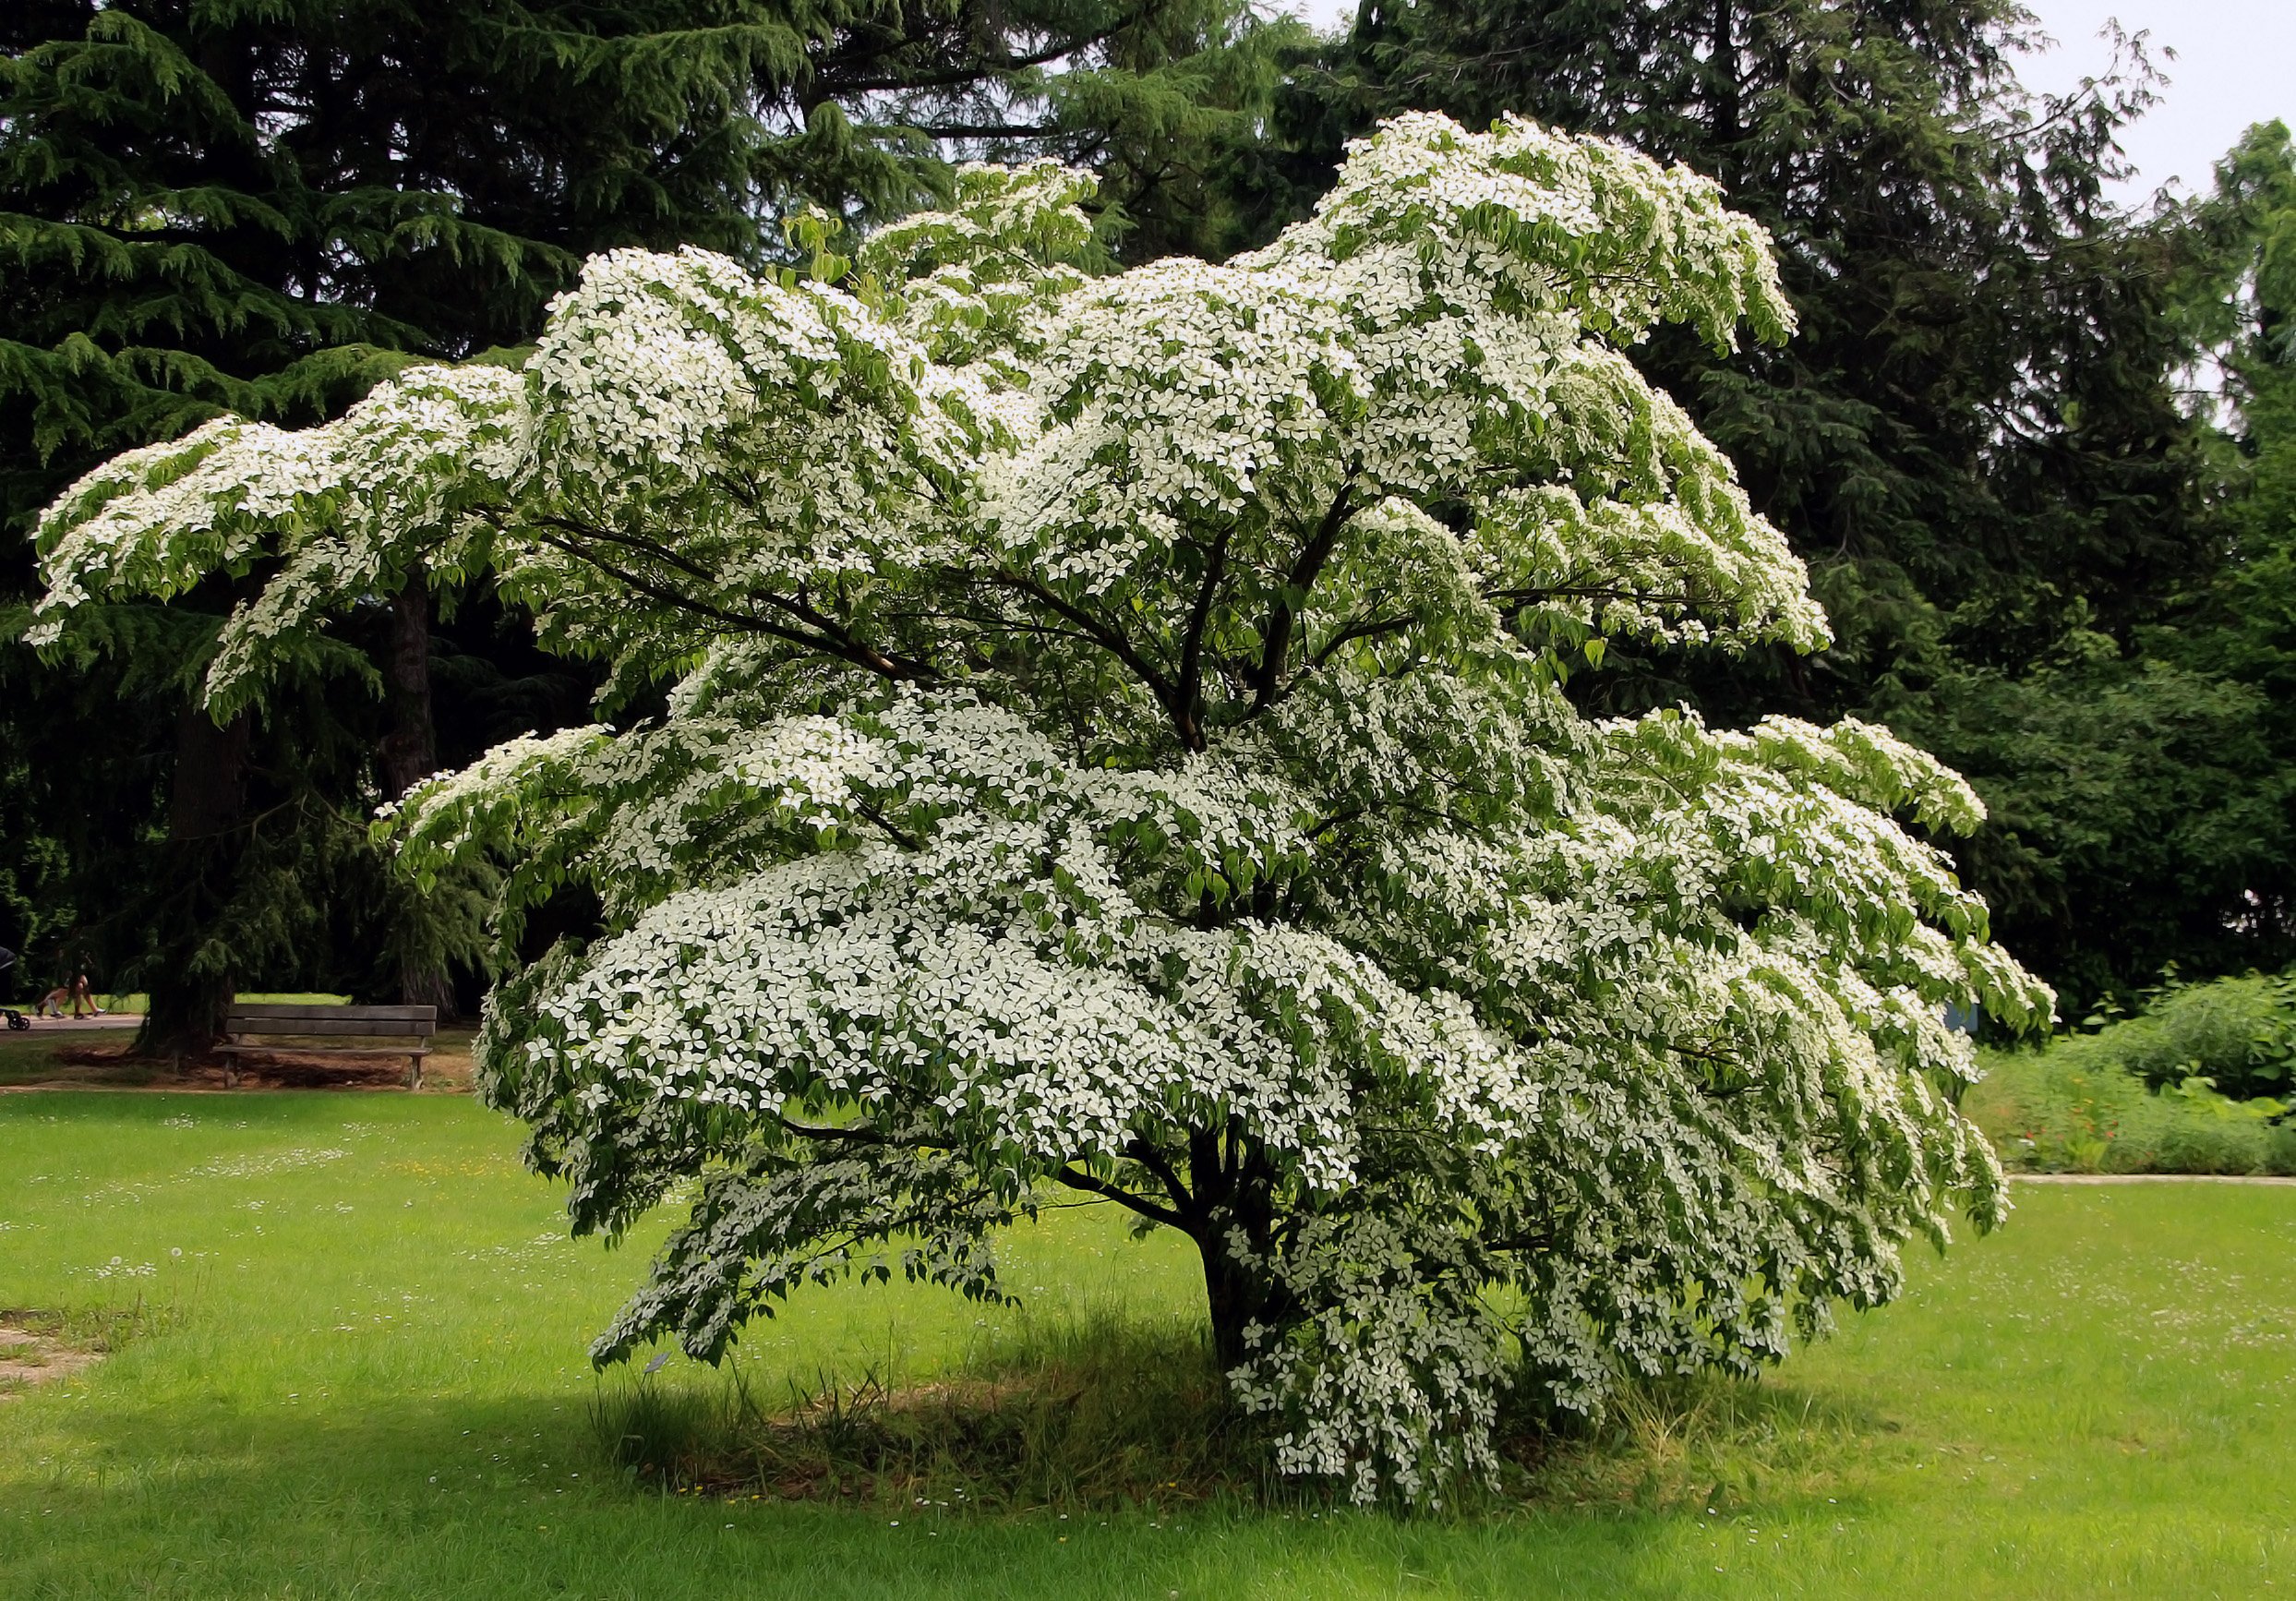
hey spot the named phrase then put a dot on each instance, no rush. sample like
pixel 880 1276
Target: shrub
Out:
pixel 2240 1034
pixel 2078 1108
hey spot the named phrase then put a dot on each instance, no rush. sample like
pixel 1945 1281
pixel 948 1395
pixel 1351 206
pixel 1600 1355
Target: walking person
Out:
pixel 76 995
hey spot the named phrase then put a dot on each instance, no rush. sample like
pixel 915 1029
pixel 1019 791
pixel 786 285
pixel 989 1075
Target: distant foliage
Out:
pixel 1977 441
pixel 1116 744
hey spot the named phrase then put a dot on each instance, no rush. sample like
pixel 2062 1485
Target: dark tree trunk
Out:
pixel 1233 1194
pixel 1236 1298
pixel 189 978
pixel 410 750
pixel 409 754
pixel 208 798
pixel 1727 132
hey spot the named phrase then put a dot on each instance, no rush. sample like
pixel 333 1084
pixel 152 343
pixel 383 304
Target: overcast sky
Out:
pixel 2235 64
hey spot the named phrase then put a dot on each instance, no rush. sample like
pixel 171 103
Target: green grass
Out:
pixel 363 1375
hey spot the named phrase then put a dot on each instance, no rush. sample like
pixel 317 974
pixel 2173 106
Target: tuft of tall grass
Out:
pixel 1099 1413
pixel 1706 1442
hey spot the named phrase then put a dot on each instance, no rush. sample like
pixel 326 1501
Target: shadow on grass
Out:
pixel 76 1060
pixel 463 1495
pixel 1091 1415
pixel 1107 1413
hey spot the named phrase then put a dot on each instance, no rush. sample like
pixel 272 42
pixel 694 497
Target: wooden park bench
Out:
pixel 331 1031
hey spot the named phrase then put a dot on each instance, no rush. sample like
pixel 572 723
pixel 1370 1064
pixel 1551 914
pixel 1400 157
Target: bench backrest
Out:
pixel 358 1022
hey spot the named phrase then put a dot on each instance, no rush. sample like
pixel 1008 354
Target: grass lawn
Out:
pixel 354 1365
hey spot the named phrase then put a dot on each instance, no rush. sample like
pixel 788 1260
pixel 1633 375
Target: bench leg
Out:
pixel 414 1071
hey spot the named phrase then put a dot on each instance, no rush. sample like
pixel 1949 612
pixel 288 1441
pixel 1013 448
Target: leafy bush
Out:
pixel 2238 1033
pixel 2179 1088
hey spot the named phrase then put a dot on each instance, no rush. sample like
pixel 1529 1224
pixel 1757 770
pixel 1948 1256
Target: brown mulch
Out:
pixel 115 1067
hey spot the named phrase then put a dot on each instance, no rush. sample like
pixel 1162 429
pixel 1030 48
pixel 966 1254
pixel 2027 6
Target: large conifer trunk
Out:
pixel 190 979
pixel 409 754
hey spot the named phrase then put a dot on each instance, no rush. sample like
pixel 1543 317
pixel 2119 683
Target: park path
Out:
pixel 2149 1178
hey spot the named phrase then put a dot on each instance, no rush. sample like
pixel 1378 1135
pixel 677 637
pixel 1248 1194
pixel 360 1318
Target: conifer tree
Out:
pixel 264 209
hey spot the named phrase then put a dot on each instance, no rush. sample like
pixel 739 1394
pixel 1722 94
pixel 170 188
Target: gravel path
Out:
pixel 2147 1178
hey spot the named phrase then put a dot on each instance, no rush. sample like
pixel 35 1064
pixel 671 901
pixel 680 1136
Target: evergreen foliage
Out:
pixel 262 210
pixel 1977 439
pixel 2145 785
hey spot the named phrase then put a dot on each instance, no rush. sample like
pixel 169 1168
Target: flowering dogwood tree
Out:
pixel 1117 745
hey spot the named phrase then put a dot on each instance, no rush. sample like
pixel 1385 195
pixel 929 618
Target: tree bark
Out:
pixel 208 800
pixel 1727 90
pixel 1236 1298
pixel 409 754
pixel 190 981
pixel 1234 1195
pixel 410 750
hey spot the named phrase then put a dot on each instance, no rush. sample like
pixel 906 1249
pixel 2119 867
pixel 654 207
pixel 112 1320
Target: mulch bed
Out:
pixel 115 1067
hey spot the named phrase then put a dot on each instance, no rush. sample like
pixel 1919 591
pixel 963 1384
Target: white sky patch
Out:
pixel 2231 69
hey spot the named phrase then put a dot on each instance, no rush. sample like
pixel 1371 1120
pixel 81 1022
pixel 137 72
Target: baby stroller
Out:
pixel 15 1019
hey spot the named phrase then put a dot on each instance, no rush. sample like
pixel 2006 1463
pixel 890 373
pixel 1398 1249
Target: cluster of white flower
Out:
pixel 348 507
pixel 1117 743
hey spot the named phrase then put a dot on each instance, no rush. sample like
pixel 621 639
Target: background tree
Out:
pixel 1977 439
pixel 262 210
pixel 1117 744
pixel 2153 774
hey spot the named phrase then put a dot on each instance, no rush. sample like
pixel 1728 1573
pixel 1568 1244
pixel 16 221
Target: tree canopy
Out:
pixel 1118 744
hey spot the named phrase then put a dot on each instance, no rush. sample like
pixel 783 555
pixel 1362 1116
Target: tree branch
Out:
pixel 975 71
pixel 828 637
pixel 1147 1155
pixel 858 1133
pixel 1191 688
pixel 1284 615
pixel 1076 1179
pixel 1101 634
pixel 981 131
pixel 900 837
pixel 1371 628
